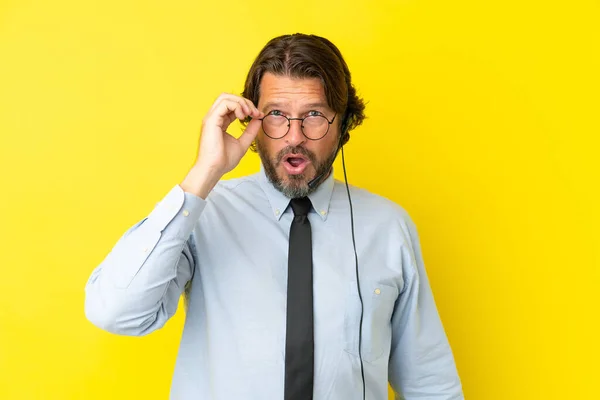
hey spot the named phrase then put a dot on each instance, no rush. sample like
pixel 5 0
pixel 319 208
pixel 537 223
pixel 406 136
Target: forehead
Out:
pixel 288 90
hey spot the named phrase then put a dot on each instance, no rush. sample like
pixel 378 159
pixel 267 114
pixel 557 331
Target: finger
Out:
pixel 225 113
pixel 216 103
pixel 229 103
pixel 249 134
pixel 255 112
pixel 249 107
pixel 235 108
pixel 229 97
pixel 246 106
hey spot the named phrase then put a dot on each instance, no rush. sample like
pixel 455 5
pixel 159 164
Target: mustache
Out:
pixel 295 150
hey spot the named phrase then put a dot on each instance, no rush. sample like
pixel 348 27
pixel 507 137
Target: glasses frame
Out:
pixel 301 125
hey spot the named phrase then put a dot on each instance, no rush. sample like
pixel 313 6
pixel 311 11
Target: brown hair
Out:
pixel 309 56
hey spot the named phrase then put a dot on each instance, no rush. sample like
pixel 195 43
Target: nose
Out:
pixel 295 136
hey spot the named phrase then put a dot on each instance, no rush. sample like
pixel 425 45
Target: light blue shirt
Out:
pixel 228 253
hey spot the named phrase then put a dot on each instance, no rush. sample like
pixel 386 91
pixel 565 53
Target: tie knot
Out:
pixel 301 206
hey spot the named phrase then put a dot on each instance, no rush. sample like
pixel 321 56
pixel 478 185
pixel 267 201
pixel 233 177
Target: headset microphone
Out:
pixel 317 179
pixel 313 182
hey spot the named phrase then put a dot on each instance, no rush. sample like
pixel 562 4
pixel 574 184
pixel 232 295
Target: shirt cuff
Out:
pixel 177 213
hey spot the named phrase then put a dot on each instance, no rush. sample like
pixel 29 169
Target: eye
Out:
pixel 276 113
pixel 314 113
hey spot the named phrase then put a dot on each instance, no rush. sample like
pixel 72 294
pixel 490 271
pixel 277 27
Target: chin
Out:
pixel 295 181
pixel 293 185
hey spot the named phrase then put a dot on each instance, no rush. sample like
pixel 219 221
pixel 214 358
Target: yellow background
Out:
pixel 483 122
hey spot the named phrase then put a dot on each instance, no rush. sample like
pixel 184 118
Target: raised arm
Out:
pixel 137 287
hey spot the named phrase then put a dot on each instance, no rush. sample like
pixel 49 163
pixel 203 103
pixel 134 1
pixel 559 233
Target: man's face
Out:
pixel 292 161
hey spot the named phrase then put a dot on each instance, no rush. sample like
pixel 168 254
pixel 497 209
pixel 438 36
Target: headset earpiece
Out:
pixel 344 129
pixel 345 124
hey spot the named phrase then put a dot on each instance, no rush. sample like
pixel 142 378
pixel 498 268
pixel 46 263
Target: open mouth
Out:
pixel 295 163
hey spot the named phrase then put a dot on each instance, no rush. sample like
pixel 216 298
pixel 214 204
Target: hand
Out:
pixel 219 151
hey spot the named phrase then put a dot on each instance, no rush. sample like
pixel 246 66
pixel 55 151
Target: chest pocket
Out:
pixel 378 300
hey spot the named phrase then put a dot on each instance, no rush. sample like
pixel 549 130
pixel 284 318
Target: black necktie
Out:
pixel 299 344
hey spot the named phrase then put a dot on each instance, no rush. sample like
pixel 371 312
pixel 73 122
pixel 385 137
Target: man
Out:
pixel 285 299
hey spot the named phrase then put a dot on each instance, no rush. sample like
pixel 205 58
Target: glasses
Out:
pixel 314 127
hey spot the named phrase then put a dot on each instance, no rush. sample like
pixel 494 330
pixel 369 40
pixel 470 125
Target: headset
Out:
pixel 312 183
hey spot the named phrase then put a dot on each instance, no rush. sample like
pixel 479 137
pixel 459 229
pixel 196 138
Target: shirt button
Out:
pixel 277 212
pixel 186 213
pixel 377 291
pixel 145 249
pixel 323 212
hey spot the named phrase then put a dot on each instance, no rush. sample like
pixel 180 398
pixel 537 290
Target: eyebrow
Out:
pixel 276 104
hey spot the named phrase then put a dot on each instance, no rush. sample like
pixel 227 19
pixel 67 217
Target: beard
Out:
pixel 294 186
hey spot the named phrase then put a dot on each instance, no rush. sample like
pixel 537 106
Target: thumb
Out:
pixel 250 133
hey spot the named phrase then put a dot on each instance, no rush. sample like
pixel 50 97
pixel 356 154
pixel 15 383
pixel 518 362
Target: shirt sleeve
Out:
pixel 422 365
pixel 136 288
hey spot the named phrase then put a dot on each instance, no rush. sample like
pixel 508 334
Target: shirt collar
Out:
pixel 320 198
